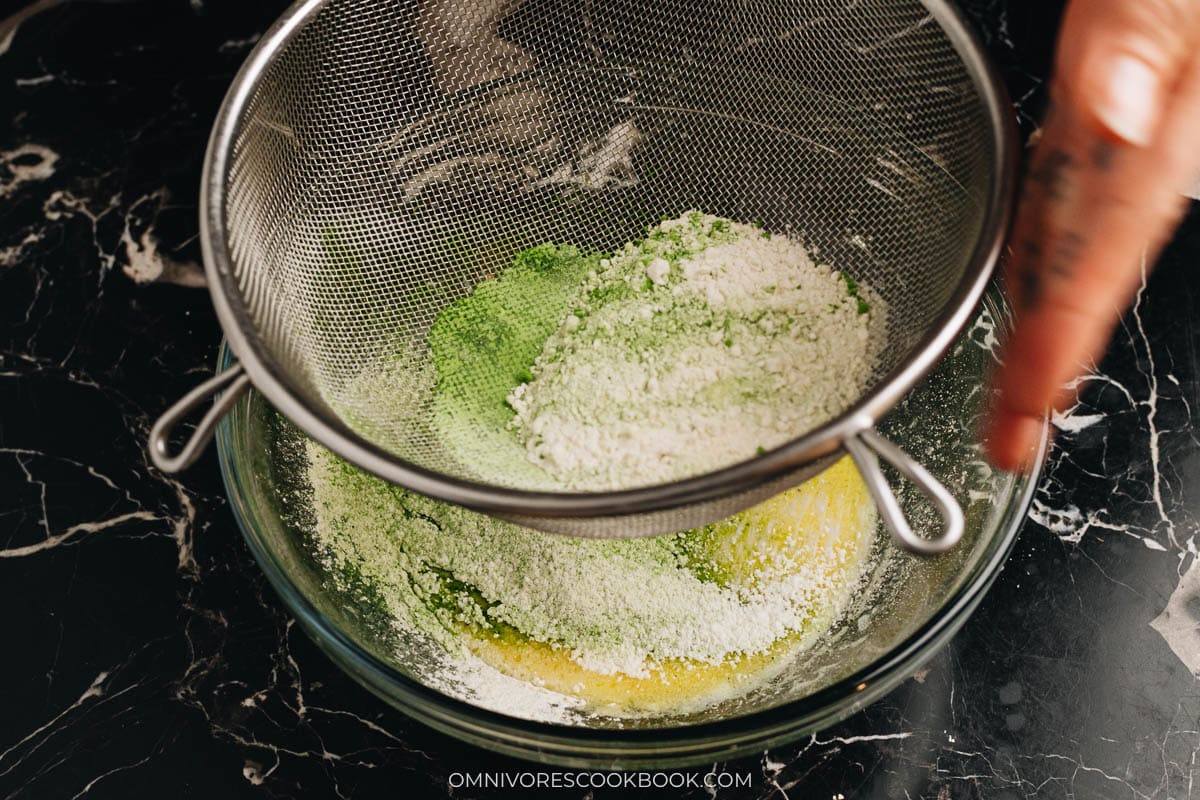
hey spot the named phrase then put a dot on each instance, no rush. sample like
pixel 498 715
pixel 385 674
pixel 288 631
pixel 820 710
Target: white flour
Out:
pixel 692 350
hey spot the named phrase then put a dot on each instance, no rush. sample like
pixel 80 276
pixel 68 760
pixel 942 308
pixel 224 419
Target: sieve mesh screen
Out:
pixel 393 156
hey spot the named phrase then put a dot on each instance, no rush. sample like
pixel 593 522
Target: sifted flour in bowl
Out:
pixel 627 626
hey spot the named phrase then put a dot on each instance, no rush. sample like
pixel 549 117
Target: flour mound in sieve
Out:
pixel 706 342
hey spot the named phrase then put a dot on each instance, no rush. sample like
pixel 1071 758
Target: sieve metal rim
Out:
pixel 265 373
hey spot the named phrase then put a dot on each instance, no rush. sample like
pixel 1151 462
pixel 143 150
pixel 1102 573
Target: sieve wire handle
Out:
pixel 866 448
pixel 234 381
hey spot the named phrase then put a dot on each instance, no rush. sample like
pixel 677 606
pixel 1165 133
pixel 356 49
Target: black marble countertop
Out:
pixel 145 655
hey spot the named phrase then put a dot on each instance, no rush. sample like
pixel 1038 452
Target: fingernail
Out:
pixel 1130 101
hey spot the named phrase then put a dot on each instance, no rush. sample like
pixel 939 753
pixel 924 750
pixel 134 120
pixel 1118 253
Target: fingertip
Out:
pixel 1011 440
pixel 1118 62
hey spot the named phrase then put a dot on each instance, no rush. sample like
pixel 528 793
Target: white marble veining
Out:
pixel 1078 678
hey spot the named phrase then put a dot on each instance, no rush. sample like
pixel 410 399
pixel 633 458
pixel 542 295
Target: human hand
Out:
pixel 1102 195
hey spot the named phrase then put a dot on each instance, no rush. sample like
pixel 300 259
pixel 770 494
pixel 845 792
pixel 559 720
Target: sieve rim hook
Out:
pixel 866 448
pixel 229 385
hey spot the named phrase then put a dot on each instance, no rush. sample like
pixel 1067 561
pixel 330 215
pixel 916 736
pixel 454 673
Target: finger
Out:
pixel 1119 67
pixel 1120 62
pixel 1094 211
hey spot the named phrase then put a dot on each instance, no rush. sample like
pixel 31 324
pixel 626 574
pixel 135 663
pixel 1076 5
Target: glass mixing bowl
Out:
pixel 906 608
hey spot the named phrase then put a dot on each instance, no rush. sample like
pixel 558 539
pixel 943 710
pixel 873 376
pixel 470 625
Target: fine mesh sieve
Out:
pixel 374 161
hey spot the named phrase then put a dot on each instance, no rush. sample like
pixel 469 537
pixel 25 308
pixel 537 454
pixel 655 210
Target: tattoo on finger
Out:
pixel 1052 174
pixel 1030 275
pixel 1066 254
pixel 1103 153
